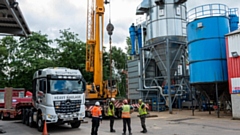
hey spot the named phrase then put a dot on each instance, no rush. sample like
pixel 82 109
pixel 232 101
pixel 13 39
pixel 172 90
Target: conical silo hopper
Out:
pixel 175 51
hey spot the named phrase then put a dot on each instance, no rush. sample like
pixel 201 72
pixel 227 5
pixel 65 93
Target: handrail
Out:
pixel 207 11
pixel 233 11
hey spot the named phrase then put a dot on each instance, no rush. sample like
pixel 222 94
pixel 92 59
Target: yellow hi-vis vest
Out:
pixel 126 111
pixel 110 111
pixel 142 111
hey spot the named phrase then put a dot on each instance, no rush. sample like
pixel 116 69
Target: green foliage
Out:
pixel 3 62
pixel 21 57
pixel 106 65
pixel 24 57
pixel 119 58
pixel 129 45
pixel 120 61
pixel 71 53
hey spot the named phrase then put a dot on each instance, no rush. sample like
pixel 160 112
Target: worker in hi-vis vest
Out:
pixel 111 114
pixel 126 116
pixel 143 113
pixel 96 118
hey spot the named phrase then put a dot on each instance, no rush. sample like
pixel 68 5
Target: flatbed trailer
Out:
pixel 18 105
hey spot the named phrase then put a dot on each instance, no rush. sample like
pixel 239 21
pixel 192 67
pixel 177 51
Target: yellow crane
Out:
pixel 99 90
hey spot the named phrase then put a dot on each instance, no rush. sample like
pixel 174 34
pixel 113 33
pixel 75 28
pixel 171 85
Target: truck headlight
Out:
pixel 51 116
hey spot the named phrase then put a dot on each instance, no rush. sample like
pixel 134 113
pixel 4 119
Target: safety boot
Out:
pixel 113 131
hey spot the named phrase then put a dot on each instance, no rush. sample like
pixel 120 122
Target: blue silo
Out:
pixel 206 43
pixel 233 19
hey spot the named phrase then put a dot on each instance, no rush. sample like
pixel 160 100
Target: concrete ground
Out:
pixel 180 122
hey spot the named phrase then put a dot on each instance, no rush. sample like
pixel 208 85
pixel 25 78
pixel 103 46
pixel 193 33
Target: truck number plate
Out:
pixel 68 118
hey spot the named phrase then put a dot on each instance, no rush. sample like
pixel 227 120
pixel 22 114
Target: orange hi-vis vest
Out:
pixel 96 112
pixel 126 111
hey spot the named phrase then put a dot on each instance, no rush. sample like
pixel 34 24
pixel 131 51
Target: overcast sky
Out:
pixel 50 16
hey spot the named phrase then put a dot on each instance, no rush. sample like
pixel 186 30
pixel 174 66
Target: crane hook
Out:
pixel 110 28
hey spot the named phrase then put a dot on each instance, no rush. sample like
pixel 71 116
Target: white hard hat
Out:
pixel 97 103
pixel 112 99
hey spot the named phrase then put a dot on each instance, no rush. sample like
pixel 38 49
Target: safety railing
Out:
pixel 207 11
pixel 233 11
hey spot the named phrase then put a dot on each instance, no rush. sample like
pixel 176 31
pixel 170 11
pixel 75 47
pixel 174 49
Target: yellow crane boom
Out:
pixel 94 51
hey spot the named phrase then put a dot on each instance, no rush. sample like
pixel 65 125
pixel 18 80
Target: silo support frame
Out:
pixel 154 85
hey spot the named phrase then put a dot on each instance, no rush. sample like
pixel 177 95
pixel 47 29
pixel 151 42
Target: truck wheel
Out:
pixel 40 124
pixel 30 119
pixel 23 116
pixel 26 117
pixel 76 124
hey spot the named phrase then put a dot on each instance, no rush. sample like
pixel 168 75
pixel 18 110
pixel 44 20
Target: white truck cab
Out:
pixel 58 97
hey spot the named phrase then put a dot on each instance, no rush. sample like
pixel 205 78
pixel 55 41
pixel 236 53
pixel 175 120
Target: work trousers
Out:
pixel 143 119
pixel 111 122
pixel 95 125
pixel 128 122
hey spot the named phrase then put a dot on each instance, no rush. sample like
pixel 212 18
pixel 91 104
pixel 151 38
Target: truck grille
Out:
pixel 67 106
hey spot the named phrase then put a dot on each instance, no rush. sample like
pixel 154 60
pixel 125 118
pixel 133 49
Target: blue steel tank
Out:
pixel 233 19
pixel 206 43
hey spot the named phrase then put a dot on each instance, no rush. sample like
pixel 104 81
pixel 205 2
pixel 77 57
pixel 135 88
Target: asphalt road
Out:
pixel 178 123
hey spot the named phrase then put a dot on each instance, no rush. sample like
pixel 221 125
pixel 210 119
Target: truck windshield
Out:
pixel 65 86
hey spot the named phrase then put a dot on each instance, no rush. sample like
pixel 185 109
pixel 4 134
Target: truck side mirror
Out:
pixel 84 86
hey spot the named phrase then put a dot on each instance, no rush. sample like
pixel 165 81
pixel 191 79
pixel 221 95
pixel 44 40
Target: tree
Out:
pixel 3 63
pixel 21 58
pixel 27 56
pixel 120 60
pixel 106 64
pixel 71 52
pixel 129 45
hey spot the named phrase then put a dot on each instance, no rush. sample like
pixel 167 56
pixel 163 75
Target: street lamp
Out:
pixel 235 54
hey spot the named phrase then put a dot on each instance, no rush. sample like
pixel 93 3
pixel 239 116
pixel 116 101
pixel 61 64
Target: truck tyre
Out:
pixel 30 119
pixel 23 116
pixel 26 117
pixel 76 124
pixel 40 124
